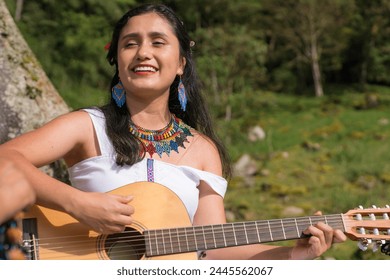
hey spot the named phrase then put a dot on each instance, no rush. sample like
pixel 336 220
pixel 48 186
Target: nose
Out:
pixel 144 52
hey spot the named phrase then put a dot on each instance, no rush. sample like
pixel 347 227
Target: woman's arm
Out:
pixel 16 192
pixel 72 137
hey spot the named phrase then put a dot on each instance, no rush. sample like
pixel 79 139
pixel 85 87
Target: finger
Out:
pixel 113 229
pixel 124 199
pixel 127 210
pixel 124 220
pixel 318 236
pixel 339 236
pixel 326 232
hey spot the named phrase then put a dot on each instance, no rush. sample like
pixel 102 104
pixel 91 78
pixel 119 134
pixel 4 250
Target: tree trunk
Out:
pixel 27 97
pixel 19 9
pixel 316 73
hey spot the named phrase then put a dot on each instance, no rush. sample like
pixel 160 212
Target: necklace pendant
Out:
pixel 171 137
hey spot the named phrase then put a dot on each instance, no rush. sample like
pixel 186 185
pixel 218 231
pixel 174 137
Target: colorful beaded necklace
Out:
pixel 163 140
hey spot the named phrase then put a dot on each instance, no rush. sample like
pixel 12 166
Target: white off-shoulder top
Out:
pixel 102 174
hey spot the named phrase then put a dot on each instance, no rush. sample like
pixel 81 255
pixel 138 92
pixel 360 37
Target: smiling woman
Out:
pixel 155 128
pixel 146 60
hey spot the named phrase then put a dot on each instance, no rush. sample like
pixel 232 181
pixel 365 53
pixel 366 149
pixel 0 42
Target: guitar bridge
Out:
pixel 30 238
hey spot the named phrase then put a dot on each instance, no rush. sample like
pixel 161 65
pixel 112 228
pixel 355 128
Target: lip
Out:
pixel 144 65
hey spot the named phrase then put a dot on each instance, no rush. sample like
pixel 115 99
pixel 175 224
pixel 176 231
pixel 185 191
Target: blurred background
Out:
pixel 299 91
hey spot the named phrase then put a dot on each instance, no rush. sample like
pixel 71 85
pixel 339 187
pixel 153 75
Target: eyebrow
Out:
pixel 150 34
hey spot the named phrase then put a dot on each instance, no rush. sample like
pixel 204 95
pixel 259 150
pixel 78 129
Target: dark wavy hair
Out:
pixel 127 147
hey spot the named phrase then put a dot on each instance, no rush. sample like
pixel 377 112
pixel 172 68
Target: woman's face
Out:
pixel 148 55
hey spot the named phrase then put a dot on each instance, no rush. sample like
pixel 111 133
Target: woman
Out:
pixel 155 128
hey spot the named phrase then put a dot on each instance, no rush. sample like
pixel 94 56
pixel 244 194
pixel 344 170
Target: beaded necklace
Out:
pixel 163 140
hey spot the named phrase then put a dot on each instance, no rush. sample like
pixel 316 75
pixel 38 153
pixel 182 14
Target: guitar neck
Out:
pixel 199 238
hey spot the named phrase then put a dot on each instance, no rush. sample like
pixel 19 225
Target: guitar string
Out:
pixel 134 239
pixel 138 251
pixel 153 239
pixel 295 223
pixel 248 224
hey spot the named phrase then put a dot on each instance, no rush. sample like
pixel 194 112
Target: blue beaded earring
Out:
pixel 182 95
pixel 119 94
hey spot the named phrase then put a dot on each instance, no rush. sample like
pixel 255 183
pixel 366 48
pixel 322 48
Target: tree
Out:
pixel 305 29
pixel 28 99
pixel 368 59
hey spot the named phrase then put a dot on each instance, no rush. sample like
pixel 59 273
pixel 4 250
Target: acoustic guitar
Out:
pixel 162 230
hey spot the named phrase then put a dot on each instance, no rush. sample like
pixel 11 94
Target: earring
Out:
pixel 182 95
pixel 119 94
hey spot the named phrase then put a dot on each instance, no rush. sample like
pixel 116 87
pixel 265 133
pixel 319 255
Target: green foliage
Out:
pixel 318 154
pixel 69 38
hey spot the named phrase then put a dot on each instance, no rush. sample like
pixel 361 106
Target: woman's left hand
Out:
pixel 322 236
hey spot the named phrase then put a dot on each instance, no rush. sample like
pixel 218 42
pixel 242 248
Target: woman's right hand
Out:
pixel 103 212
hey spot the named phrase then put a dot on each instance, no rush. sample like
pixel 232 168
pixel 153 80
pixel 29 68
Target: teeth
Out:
pixel 145 69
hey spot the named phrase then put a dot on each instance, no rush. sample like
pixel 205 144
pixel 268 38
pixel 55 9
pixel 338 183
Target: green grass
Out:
pixel 330 154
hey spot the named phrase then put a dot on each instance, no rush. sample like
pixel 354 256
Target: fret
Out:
pixel 257 231
pixel 199 238
pixel 148 244
pixel 178 239
pixel 194 234
pixel 337 222
pixel 302 224
pixel 209 237
pixel 317 219
pixel 167 241
pixel 187 242
pixel 296 226
pixel 276 228
pixel 240 233
pixel 204 238
pixel 155 240
pixel 284 232
pixel 219 236
pixel 190 236
pixel 175 241
pixel 182 240
pixel 264 231
pixel 270 232
pixel 161 238
pixel 213 234
pixel 246 234
pixel 234 234
pixel 290 229
pixel 252 234
pixel 224 236
pixel 230 239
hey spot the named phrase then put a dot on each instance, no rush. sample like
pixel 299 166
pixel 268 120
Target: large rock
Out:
pixel 27 97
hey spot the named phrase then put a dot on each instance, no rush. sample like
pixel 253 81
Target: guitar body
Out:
pixel 56 235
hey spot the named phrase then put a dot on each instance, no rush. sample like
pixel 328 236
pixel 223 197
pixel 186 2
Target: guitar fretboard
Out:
pixel 199 238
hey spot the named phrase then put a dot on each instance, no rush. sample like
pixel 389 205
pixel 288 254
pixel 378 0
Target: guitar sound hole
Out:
pixel 127 245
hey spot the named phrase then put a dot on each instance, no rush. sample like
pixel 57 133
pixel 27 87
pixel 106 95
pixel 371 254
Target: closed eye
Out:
pixel 158 43
pixel 130 44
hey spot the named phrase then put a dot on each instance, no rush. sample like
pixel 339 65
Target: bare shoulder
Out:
pixel 74 125
pixel 204 153
pixel 55 139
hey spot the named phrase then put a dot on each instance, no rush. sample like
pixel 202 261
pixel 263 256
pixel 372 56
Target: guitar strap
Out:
pixel 150 171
